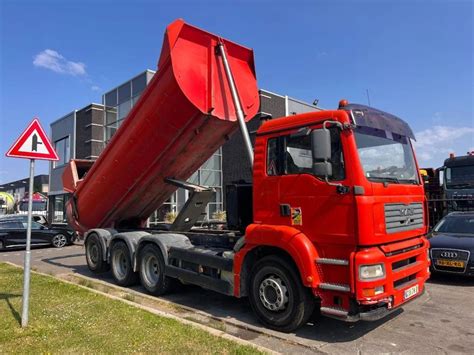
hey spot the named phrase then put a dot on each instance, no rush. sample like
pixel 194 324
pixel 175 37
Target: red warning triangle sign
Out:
pixel 33 143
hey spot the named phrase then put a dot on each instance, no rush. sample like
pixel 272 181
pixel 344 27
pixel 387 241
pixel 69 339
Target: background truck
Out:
pixel 335 218
pixel 450 188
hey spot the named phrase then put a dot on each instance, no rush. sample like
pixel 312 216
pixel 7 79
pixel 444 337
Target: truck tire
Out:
pixel 121 265
pixel 152 270
pixel 277 296
pixel 94 252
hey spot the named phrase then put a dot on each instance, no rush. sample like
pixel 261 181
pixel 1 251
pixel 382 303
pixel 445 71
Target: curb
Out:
pixel 210 330
pixel 248 327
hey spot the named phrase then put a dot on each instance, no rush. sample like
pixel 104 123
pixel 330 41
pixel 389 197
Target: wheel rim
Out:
pixel 120 264
pixel 93 253
pixel 150 270
pixel 59 241
pixel 273 293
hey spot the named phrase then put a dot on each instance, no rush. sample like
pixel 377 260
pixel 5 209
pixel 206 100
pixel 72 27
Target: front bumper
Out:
pixel 366 313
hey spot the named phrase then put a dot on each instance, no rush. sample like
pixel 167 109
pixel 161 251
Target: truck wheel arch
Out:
pixel 104 235
pixel 131 239
pixel 164 241
pixel 287 243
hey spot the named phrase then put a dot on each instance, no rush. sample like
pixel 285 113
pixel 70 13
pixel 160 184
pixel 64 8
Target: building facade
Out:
pixel 83 134
pixel 77 135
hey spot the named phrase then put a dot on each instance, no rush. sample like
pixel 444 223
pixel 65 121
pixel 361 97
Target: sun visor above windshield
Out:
pixel 370 117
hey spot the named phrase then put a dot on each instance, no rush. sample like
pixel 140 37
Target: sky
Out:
pixel 413 58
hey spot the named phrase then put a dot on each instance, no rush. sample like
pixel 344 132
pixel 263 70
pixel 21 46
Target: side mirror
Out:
pixel 321 149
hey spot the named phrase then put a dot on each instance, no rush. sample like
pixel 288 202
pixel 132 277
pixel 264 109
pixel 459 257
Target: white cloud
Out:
pixel 52 60
pixel 433 145
pixel 95 88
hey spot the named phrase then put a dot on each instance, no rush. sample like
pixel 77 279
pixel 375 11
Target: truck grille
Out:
pixel 400 217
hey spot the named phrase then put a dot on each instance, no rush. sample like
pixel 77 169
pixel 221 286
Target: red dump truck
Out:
pixel 335 218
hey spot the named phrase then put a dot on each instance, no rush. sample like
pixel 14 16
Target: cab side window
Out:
pixel 287 155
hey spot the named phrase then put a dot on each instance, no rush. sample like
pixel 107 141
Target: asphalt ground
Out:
pixel 439 322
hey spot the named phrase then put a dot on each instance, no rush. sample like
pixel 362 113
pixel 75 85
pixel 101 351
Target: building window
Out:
pixel 210 175
pixel 62 148
pixel 120 101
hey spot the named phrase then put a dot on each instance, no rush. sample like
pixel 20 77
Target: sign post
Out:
pixel 32 144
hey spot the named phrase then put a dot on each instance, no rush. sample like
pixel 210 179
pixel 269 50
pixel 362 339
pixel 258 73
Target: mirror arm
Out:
pixel 336 123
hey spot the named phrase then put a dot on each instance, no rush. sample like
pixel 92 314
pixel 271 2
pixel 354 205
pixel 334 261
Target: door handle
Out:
pixel 285 210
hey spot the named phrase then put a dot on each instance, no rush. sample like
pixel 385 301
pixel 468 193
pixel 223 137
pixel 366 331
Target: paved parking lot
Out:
pixel 441 321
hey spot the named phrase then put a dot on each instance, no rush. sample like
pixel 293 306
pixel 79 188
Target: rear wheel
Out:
pixel 121 265
pixel 94 255
pixel 277 296
pixel 152 270
pixel 59 241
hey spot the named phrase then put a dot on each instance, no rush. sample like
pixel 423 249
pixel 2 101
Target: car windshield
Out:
pixel 460 177
pixel 386 156
pixel 456 224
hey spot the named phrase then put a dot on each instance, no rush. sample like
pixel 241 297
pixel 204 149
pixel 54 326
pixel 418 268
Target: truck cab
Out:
pixel 459 182
pixel 339 193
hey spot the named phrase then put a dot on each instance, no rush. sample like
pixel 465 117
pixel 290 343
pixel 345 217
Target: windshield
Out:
pixel 385 156
pixel 460 177
pixel 456 224
pixel 37 206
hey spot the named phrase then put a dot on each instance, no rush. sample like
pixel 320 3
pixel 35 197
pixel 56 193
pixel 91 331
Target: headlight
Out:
pixel 371 272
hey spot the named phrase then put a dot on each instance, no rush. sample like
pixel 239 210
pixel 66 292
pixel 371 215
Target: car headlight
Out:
pixel 371 272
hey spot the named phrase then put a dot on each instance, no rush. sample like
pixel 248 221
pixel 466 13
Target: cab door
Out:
pixel 324 211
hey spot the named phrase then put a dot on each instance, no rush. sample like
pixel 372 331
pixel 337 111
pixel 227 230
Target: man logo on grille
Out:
pixel 407 211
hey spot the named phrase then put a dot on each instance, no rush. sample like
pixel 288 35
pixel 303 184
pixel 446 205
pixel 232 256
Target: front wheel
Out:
pixel 59 241
pixel 277 295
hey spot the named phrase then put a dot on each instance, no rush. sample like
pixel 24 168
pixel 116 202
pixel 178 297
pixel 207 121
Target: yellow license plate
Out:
pixel 451 263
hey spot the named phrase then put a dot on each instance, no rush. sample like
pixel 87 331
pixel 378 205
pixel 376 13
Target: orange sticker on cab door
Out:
pixel 296 216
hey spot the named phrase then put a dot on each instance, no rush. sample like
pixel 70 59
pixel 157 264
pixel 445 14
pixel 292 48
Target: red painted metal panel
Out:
pixel 184 115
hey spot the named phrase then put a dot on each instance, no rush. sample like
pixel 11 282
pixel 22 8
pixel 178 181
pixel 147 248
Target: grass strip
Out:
pixel 66 318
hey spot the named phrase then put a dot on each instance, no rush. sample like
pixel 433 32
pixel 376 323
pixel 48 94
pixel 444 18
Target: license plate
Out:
pixel 451 263
pixel 410 292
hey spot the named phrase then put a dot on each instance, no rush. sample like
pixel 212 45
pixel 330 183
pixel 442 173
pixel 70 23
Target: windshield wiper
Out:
pixel 386 179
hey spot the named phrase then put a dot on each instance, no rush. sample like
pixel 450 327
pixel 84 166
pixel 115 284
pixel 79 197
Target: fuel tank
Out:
pixel 183 116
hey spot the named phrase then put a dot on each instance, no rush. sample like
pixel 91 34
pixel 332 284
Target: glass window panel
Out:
pixel 194 179
pixel 124 93
pixel 214 163
pixel 138 84
pixel 111 99
pixel 135 99
pixel 59 147
pixel 62 148
pixel 210 178
pixel 109 132
pixel 111 116
pixel 124 109
pixel 67 151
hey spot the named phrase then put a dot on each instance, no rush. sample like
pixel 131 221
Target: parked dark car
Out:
pixel 13 233
pixel 452 244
